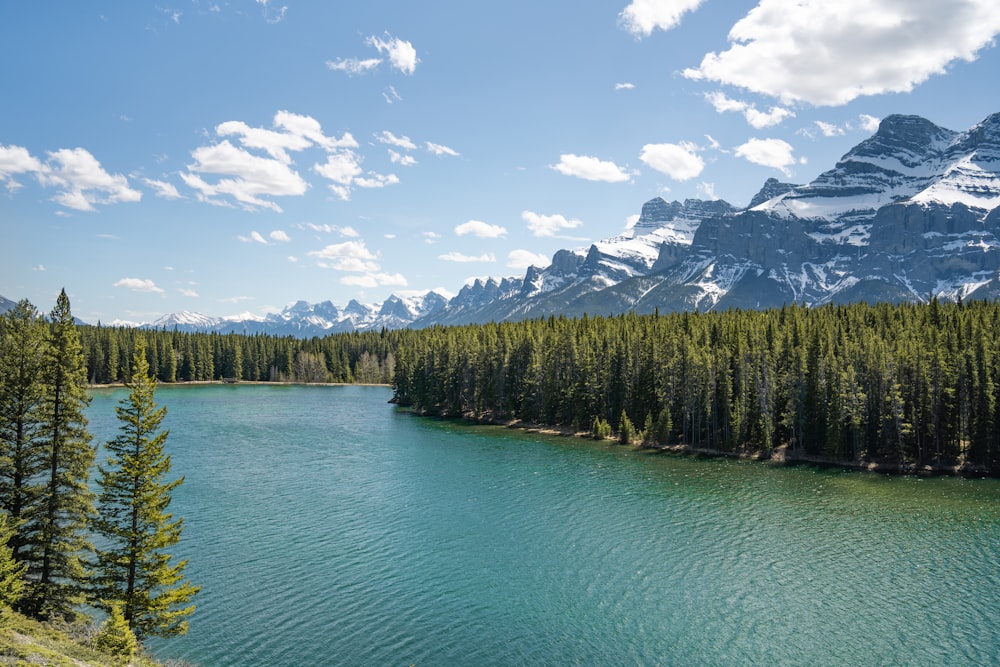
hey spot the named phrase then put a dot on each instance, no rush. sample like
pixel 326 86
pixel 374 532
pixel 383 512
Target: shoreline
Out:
pixel 780 456
pixel 201 383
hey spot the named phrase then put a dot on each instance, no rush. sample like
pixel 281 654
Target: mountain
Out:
pixel 304 320
pixel 909 213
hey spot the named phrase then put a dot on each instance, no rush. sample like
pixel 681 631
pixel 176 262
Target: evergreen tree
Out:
pixel 134 571
pixel 115 636
pixel 58 525
pixel 22 457
pixel 11 571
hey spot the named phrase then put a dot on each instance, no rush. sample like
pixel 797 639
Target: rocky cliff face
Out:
pixel 910 213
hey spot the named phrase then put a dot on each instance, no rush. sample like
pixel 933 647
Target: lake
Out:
pixel 327 527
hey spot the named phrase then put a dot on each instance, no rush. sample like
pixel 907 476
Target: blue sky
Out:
pixel 227 157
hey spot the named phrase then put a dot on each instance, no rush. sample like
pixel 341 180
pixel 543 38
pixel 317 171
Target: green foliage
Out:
pixel 11 571
pixel 626 431
pixel 601 429
pixel 134 572
pixel 907 384
pixel 115 637
pixel 55 526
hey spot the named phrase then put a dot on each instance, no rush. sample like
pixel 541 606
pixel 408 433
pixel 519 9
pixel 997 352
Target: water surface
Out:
pixel 328 528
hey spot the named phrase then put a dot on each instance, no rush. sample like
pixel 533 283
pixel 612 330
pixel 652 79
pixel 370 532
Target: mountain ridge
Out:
pixel 911 212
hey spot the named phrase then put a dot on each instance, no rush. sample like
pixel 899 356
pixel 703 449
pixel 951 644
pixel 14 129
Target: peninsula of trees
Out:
pixel 905 386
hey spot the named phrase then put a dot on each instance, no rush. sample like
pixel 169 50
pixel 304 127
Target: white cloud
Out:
pixel 187 292
pixel 481 229
pixel 400 159
pixel 768 153
pixel 251 177
pixel 272 13
pixel 342 167
pixel 828 129
pixel 757 119
pixel 330 229
pixel 679 161
pixel 869 123
pixel 548 225
pixel 641 17
pixel 353 66
pixel 438 149
pixel 163 188
pixel 138 285
pixel 459 257
pixel 374 180
pixel 279 236
pixel 522 259
pixel 82 180
pixel 236 299
pixel 347 256
pixel 402 55
pixel 255 237
pixel 829 53
pixel 590 168
pixel 624 86
pixel 40 267
pixel 391 96
pixel 431 237
pixel 16 160
pixel 631 221
pixel 387 137
pixel 708 190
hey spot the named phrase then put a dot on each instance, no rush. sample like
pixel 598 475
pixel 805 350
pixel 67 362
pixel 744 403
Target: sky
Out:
pixel 228 157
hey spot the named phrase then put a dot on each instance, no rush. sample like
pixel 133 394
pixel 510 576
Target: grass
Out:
pixel 24 642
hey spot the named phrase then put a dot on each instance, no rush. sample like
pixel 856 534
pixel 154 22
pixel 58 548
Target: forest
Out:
pixel 908 386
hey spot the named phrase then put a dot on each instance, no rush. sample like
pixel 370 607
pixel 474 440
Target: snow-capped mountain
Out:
pixel 910 213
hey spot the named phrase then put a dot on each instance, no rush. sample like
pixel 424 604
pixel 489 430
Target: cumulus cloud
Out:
pixel 590 168
pixel 400 159
pixel 16 160
pixel 138 285
pixel 279 236
pixel 828 129
pixel 481 229
pixel 756 118
pixel 402 55
pixel 261 166
pixel 459 257
pixel 522 259
pixel 829 53
pixel 869 123
pixel 624 86
pixel 679 161
pixel 187 292
pixel 438 149
pixel 642 17
pixel 548 225
pixel 768 153
pixel 78 175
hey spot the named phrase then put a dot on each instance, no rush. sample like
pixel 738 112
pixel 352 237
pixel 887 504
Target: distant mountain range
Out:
pixel 909 213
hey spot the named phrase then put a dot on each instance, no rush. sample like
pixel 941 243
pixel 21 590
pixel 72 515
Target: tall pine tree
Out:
pixel 133 571
pixel 22 455
pixel 58 525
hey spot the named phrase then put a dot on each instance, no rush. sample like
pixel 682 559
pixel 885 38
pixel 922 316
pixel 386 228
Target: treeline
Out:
pixel 49 512
pixel 174 356
pixel 904 385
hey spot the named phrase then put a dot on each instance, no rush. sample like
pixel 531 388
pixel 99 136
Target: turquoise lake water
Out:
pixel 329 528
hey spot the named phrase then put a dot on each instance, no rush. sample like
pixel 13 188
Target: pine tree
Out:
pixel 134 571
pixel 115 636
pixel 22 458
pixel 59 523
pixel 11 571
